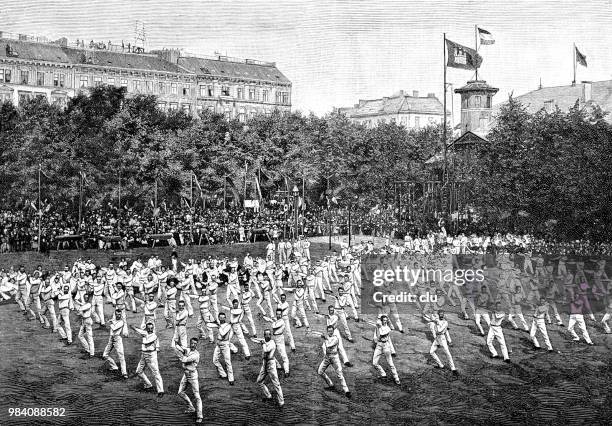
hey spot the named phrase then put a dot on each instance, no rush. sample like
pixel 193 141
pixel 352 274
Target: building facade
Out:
pixel 411 111
pixel 239 89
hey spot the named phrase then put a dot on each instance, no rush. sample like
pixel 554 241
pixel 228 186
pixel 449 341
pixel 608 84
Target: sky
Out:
pixel 337 52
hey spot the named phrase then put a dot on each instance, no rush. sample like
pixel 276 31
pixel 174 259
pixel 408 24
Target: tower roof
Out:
pixel 477 86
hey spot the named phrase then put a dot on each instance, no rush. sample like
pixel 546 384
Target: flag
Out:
pixel 580 58
pixel 42 172
pixel 197 182
pixel 485 36
pixel 462 57
pixel 258 188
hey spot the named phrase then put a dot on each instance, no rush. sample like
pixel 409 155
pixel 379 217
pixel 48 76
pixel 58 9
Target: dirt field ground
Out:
pixel 570 387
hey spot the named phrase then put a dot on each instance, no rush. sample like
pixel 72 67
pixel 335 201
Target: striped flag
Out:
pixel 485 36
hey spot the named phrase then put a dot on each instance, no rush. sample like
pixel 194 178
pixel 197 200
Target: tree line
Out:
pixel 540 172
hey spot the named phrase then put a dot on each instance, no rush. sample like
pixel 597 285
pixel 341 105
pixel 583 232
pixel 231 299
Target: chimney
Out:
pixel 586 91
pixel 170 55
pixel 431 95
pixel 415 93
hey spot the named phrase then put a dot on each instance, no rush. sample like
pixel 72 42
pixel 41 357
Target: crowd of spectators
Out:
pixel 106 228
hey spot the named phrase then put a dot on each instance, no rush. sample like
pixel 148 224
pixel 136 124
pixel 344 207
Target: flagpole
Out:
pixel 119 208
pixel 80 200
pixel 476 45
pixel 444 122
pixel 246 171
pixel 155 207
pixel 191 213
pixel 39 207
pixel 574 52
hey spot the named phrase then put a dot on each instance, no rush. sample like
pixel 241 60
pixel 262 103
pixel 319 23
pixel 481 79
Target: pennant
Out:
pixel 197 182
pixel 42 172
pixel 258 188
pixel 463 57
pixel 580 58
pixel 485 36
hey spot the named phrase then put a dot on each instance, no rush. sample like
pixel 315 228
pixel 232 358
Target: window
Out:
pixel 161 88
pixel 173 89
pixel 161 105
pixel 549 106
pixel 110 81
pixel 199 109
pixel 97 81
pixel 185 90
pixel 488 101
pixel 286 98
pixel 25 77
pixel 227 114
pixel 203 91
pixel 186 108
pixel 7 76
pixel 149 86
pixel 225 91
pixel 137 86
pixel 242 115
pixel 24 97
pixel 124 82
pixel 477 101
pixel 1 75
pixel 278 97
pixel 264 95
pixel 40 79
pixel 83 81
pixel 59 80
pixel 211 91
pixel 60 101
pixel 5 97
pixel 251 94
pixel 483 123
pixel 173 106
pixel 240 93
pixel 417 122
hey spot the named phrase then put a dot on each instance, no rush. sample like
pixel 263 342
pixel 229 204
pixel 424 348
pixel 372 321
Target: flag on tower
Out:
pixel 580 58
pixel 485 36
pixel 462 57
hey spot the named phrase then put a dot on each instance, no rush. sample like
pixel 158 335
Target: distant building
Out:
pixel 237 88
pixel 411 111
pixel 587 94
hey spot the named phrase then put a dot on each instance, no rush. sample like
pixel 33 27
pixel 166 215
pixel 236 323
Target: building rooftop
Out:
pixel 401 103
pixel 113 56
pixel 50 52
pixel 229 67
pixel 476 85
pixel 565 97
